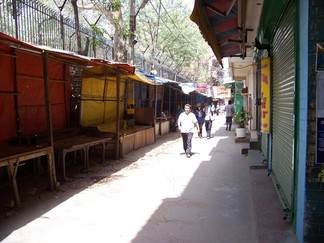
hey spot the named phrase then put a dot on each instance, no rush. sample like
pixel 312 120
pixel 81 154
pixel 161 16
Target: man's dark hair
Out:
pixel 229 102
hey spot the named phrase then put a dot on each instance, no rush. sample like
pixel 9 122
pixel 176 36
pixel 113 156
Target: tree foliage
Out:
pixel 165 29
pixel 164 32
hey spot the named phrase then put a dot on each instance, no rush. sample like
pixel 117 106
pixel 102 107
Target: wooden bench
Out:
pixel 12 156
pixel 81 143
pixel 72 140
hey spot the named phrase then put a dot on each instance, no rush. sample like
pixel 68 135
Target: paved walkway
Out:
pixel 162 196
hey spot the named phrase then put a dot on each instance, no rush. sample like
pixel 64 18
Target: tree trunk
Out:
pixel 156 32
pixel 132 28
pixel 119 40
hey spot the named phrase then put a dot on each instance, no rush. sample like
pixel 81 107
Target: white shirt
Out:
pixel 208 112
pixel 186 122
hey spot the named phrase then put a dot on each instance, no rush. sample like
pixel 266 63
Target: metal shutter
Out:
pixel 264 145
pixel 283 96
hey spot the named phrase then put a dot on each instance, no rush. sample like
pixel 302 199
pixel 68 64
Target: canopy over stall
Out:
pixel 35 97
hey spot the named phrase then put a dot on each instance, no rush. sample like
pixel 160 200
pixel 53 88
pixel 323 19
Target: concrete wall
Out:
pixel 314 208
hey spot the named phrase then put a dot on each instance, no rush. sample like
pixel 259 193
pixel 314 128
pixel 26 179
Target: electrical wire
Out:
pixel 174 24
pixel 162 19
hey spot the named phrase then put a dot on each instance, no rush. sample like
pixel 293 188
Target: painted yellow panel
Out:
pixel 265 95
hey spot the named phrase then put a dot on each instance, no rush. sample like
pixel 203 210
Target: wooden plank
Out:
pixel 139 139
pixel 150 137
pixel 157 128
pixel 5 92
pixel 164 127
pixel 128 143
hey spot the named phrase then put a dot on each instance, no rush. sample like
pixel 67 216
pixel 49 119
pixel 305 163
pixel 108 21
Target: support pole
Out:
pixel 50 156
pixel 117 112
pixel 47 99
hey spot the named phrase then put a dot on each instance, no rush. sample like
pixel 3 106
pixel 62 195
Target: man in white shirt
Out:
pixel 186 123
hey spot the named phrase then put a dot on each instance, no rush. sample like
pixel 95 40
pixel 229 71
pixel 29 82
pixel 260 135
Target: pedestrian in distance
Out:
pixel 187 122
pixel 200 115
pixel 229 113
pixel 179 110
pixel 217 109
pixel 208 119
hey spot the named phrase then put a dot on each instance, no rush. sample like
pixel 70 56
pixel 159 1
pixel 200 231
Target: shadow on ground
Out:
pixel 37 200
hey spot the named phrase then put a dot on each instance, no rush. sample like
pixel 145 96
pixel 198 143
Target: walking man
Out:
pixel 186 123
pixel 229 111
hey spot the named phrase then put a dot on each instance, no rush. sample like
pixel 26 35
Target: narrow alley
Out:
pixel 157 194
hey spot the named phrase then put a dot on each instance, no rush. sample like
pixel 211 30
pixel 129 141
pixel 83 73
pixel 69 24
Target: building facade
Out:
pixel 294 144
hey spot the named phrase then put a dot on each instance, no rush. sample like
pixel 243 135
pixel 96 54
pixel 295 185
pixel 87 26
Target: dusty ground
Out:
pixel 36 199
pixel 154 194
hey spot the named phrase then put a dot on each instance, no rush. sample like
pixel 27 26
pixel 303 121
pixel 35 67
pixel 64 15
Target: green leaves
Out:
pixel 165 27
pixel 111 5
pixel 242 118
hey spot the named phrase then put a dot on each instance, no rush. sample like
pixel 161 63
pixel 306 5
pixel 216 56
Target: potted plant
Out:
pixel 242 119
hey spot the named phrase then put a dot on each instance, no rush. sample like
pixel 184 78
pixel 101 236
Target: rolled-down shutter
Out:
pixel 283 125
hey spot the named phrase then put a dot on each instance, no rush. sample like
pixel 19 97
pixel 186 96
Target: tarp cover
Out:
pixel 22 94
pixel 27 115
pixel 99 98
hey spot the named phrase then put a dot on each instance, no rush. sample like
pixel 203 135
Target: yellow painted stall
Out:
pixel 107 103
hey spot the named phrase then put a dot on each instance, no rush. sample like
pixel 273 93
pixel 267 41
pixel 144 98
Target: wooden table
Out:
pixel 81 143
pixel 11 156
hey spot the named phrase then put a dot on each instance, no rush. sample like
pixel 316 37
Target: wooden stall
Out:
pixel 35 92
pixel 109 102
pixel 25 107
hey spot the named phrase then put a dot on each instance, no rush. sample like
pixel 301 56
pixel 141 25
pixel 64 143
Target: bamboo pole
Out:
pixel 117 112
pixel 65 93
pixel 162 98
pixel 155 105
pixel 16 98
pixel 47 98
pixel 169 101
pixel 50 155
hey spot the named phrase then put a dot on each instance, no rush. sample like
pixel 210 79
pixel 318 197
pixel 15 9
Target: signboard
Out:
pixel 221 92
pixel 203 88
pixel 265 95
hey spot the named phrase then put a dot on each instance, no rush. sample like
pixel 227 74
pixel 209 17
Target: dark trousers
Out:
pixel 186 139
pixel 200 128
pixel 228 123
pixel 208 126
